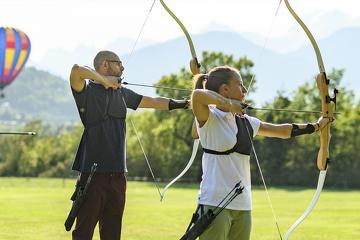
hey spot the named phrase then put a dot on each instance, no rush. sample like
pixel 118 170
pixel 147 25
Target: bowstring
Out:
pixel 132 122
pixel 267 37
pixel 146 158
pixel 141 30
pixel 251 141
pixel 264 183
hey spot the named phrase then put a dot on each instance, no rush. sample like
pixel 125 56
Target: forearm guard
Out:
pixel 176 104
pixel 296 131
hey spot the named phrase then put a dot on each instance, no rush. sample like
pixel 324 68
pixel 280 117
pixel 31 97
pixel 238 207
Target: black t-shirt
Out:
pixel 103 114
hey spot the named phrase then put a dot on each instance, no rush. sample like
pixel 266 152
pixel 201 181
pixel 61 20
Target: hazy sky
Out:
pixel 67 24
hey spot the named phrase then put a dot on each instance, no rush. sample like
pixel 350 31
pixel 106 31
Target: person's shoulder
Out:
pixel 127 90
pixel 251 118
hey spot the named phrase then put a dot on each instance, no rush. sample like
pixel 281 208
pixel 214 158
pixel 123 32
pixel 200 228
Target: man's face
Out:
pixel 115 67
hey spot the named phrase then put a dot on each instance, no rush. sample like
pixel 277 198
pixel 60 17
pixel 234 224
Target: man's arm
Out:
pixel 156 103
pixel 288 130
pixel 79 74
pixel 162 103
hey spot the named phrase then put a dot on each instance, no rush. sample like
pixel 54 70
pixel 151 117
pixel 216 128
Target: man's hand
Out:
pixel 111 82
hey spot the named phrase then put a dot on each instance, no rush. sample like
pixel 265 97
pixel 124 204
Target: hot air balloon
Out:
pixel 14 52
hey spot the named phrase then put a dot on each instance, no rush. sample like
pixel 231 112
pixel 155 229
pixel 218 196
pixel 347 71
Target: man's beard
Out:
pixel 117 76
pixel 113 73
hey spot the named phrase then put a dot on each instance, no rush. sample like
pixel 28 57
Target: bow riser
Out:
pixel 328 107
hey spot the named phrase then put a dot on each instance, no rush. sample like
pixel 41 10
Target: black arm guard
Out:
pixel 79 200
pixel 175 104
pixel 296 131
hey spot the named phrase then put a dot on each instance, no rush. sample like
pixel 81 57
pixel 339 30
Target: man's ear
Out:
pixel 105 64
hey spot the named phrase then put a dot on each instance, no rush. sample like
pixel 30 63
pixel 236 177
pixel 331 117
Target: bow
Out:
pixel 328 106
pixel 195 69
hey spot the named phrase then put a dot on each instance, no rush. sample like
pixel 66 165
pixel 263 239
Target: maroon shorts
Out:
pixel 104 203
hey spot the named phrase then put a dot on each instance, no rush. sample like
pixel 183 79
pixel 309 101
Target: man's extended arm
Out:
pixel 162 103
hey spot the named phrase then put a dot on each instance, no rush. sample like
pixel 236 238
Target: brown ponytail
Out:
pixel 200 80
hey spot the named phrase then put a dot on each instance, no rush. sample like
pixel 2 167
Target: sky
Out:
pixel 68 24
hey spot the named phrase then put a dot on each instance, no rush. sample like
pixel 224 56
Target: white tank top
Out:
pixel 222 172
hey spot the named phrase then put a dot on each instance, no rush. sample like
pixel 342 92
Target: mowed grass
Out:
pixel 35 209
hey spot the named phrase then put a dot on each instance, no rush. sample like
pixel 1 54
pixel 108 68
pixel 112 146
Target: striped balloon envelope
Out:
pixel 14 52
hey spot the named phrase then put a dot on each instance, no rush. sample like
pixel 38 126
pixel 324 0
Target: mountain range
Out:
pixel 274 70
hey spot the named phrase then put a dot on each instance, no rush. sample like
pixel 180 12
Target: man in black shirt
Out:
pixel 102 104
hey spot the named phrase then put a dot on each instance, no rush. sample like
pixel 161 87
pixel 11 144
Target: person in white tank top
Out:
pixel 218 97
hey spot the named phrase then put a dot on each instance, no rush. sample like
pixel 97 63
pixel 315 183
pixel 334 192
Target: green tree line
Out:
pixel 167 141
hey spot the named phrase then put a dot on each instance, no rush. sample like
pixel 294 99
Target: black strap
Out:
pixel 227 152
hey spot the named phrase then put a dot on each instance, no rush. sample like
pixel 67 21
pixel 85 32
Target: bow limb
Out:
pixel 194 63
pixel 328 106
pixel 313 202
pixel 310 36
pixel 193 155
pixel 195 69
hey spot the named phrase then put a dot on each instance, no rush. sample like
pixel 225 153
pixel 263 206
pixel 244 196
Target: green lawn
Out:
pixel 35 209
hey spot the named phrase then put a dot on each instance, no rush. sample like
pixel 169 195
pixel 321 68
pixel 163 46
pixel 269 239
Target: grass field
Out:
pixel 35 209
